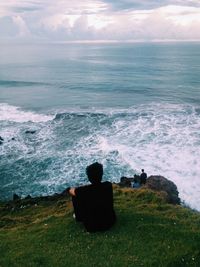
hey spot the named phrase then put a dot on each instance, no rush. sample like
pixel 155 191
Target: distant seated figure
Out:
pixel 136 181
pixel 93 204
pixel 143 177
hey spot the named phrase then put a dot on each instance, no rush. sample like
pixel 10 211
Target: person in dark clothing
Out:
pixel 93 204
pixel 143 177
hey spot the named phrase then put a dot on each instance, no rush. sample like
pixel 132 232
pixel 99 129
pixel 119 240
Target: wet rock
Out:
pixel 30 131
pixel 16 197
pixel 125 181
pixel 160 183
pixel 1 140
pixel 28 197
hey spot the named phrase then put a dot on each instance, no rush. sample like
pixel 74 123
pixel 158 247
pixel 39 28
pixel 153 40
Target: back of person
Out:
pixel 143 177
pixel 97 212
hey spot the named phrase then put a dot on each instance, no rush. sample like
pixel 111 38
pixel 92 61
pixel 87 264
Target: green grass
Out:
pixel 148 232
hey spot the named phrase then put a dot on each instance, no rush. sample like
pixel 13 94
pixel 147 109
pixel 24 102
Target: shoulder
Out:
pixel 83 188
pixel 106 183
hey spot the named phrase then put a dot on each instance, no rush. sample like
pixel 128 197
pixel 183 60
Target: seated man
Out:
pixel 93 204
pixel 136 181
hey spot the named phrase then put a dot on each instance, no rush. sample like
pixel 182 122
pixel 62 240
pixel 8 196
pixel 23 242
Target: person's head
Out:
pixel 142 170
pixel 95 172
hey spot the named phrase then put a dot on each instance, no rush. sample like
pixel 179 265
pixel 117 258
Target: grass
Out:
pixel 148 232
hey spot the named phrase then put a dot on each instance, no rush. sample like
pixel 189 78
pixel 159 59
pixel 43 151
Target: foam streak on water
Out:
pixel 15 114
pixel 162 139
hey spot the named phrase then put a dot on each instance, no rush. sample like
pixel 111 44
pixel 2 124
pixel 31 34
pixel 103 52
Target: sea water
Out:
pixel 128 106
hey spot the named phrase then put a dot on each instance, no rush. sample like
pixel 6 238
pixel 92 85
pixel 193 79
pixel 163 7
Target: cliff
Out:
pixel 149 232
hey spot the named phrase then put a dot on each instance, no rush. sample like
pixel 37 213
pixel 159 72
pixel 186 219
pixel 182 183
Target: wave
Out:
pixel 161 138
pixel 133 113
pixel 8 83
pixel 16 114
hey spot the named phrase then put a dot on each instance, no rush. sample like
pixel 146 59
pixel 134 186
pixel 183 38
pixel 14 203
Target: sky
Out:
pixel 99 20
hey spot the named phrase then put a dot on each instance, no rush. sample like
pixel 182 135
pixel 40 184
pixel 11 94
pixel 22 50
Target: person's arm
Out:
pixel 72 192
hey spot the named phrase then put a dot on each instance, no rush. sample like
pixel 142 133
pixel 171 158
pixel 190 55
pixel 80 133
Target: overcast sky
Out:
pixel 82 20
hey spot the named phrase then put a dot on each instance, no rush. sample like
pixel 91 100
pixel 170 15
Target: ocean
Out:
pixel 129 106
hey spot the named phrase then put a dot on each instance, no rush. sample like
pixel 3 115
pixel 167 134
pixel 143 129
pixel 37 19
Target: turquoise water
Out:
pixel 129 106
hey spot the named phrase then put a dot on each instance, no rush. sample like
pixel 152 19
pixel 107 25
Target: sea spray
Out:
pixel 162 139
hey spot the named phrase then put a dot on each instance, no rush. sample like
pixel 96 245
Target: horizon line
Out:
pixel 98 41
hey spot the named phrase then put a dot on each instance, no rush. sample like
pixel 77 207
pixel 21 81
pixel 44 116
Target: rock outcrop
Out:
pixel 125 181
pixel 16 197
pixel 30 131
pixel 18 202
pixel 160 183
pixel 156 183
pixel 1 140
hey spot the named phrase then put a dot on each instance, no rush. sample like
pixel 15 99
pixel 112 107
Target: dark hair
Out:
pixel 95 172
pixel 142 170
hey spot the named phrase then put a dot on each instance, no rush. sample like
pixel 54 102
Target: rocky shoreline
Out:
pixel 157 183
pixel 154 182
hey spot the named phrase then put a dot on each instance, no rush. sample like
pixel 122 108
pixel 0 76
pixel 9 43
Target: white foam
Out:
pixel 164 140
pixel 16 114
pixel 161 138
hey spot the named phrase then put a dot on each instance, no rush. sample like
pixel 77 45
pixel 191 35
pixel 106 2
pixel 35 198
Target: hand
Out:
pixel 72 192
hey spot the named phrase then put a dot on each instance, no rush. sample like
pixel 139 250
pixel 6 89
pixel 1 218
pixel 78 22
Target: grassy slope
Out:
pixel 148 232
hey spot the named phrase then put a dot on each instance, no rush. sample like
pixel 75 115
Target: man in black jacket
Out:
pixel 93 204
pixel 143 177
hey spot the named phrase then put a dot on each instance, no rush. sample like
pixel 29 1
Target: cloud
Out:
pixel 147 4
pixel 13 27
pixel 8 27
pixel 166 23
pixel 61 20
